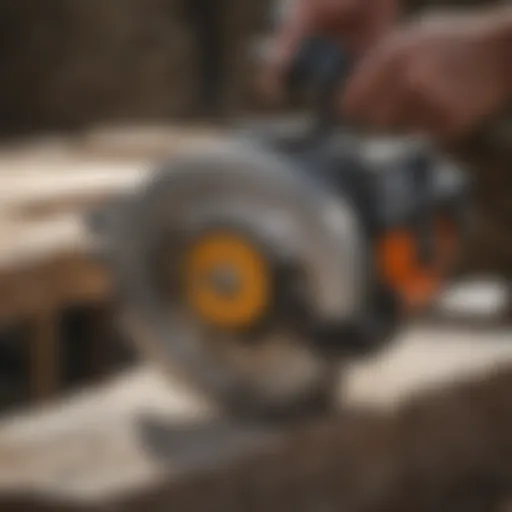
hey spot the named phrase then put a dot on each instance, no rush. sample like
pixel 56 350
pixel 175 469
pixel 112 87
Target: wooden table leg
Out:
pixel 44 354
pixel 101 350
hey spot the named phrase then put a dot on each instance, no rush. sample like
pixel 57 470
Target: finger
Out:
pixel 458 124
pixel 392 110
pixel 380 16
pixel 330 14
pixel 374 84
pixel 427 97
pixel 420 115
pixel 439 112
pixel 401 108
pixel 383 15
pixel 466 108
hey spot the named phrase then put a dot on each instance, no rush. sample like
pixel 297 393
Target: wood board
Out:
pixel 141 439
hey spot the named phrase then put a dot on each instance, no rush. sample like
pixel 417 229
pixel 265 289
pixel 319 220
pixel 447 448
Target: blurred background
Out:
pixel 69 64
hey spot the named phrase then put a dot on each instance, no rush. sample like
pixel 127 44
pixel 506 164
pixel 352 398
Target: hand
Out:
pixel 355 24
pixel 439 76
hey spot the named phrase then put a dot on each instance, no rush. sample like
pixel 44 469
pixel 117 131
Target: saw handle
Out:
pixel 319 69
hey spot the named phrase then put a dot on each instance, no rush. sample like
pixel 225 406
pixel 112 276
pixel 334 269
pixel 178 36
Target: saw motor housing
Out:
pixel 254 264
pixel 412 222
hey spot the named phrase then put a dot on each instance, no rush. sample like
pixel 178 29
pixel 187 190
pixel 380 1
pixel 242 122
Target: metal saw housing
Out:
pixel 367 242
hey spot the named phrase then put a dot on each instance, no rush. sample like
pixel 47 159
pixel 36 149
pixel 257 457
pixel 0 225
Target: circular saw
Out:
pixel 257 266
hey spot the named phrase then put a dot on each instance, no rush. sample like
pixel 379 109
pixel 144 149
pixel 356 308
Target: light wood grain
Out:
pixel 140 431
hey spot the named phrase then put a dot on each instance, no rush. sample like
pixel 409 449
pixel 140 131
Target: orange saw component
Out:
pixel 227 280
pixel 400 264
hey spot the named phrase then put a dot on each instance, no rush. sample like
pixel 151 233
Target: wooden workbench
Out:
pixel 47 257
pixel 47 254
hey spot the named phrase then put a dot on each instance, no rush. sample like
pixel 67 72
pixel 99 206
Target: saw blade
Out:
pixel 319 229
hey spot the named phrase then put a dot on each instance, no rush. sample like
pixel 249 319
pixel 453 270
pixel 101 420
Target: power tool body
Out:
pixel 258 266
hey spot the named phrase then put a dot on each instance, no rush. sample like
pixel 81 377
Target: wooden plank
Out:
pixel 87 185
pixel 70 278
pixel 144 443
pixel 155 142
pixel 49 262
pixel 23 244
pixel 44 354
pixel 84 173
pixel 44 244
pixel 100 349
pixel 46 268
